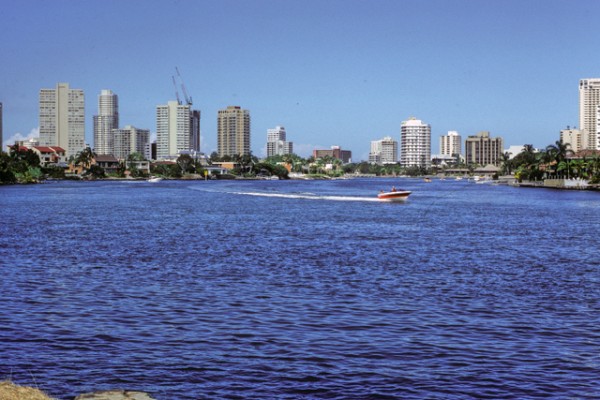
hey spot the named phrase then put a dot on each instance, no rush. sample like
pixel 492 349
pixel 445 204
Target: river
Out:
pixel 300 290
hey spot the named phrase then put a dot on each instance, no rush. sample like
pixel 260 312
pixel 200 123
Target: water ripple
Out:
pixel 463 292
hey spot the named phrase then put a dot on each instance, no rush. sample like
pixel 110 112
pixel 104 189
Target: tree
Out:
pixel 506 163
pixel 95 171
pixel 559 150
pixel 135 156
pixel 6 173
pixel 246 162
pixel 185 162
pixel 85 157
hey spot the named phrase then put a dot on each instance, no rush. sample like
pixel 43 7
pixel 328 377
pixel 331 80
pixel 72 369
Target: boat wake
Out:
pixel 307 196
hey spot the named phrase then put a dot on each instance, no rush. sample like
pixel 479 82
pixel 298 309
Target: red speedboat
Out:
pixel 394 195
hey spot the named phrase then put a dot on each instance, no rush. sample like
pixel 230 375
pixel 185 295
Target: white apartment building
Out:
pixel 233 131
pixel 277 143
pixel 104 123
pixel 415 144
pixel 62 118
pixel 589 102
pixel 384 151
pixel 450 144
pixel 597 137
pixel 574 137
pixel 173 129
pixel 131 140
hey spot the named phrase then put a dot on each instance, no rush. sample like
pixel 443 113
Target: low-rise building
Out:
pixel 108 162
pixel 336 152
pixel 50 155
pixel 143 166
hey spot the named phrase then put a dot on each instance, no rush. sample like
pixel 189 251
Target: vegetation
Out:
pixel 557 160
pixel 20 166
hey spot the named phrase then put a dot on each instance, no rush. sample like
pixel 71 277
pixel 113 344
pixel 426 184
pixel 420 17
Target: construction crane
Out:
pixel 176 92
pixel 188 99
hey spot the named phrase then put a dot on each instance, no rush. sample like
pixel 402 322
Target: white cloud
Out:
pixel 34 133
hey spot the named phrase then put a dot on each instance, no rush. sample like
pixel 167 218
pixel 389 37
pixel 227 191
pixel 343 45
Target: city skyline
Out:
pixel 333 73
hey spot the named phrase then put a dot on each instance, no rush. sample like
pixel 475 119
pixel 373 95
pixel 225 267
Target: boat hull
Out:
pixel 394 196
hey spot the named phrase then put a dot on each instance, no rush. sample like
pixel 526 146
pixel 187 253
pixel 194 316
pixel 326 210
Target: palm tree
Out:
pixel 506 163
pixel 85 157
pixel 557 154
pixel 559 150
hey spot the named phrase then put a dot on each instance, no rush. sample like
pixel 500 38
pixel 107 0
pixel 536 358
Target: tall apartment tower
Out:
pixel 173 129
pixel 130 140
pixel 450 144
pixel 384 151
pixel 195 130
pixel 233 131
pixel 482 149
pixel 104 123
pixel 415 144
pixel 62 118
pixel 589 100
pixel 277 143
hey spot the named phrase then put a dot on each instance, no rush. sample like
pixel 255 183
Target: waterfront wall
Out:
pixel 566 183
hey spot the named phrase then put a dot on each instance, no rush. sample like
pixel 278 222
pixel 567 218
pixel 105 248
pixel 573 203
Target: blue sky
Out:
pixel 332 72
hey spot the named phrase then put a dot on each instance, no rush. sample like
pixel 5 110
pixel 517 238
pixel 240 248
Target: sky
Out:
pixel 332 72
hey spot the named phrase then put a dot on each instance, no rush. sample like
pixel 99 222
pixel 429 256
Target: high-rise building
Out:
pixel 415 144
pixel 482 149
pixel 104 123
pixel 233 131
pixel 384 151
pixel 277 143
pixel 589 100
pixel 591 138
pixel 195 130
pixel 173 129
pixel 1 149
pixel 130 140
pixel 62 118
pixel 574 138
pixel 450 144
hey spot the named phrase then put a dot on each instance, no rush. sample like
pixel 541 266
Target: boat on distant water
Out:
pixel 394 195
pixel 154 179
pixel 427 180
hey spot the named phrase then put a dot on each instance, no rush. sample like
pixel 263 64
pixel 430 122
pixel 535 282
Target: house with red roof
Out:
pixel 51 155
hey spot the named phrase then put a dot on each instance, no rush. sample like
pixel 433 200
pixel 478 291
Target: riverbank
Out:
pixel 559 184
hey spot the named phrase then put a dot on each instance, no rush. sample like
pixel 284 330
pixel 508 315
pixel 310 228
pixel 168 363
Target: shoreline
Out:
pixel 555 184
pixel 12 391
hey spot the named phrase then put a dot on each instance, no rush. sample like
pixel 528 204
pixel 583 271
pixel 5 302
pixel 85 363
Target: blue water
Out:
pixel 301 290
